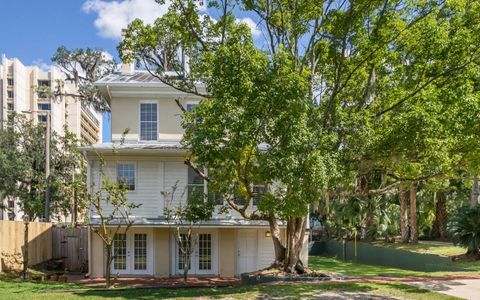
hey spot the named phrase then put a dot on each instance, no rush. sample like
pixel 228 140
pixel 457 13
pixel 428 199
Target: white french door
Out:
pixel 133 253
pixel 203 259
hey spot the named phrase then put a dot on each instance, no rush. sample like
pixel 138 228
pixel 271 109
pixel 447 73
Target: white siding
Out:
pixel 266 251
pixel 176 177
pixel 152 177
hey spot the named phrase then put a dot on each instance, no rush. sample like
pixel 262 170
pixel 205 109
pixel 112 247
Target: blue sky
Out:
pixel 33 29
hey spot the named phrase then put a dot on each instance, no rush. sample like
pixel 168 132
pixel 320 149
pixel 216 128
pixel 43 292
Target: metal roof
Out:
pixel 137 77
pixel 163 222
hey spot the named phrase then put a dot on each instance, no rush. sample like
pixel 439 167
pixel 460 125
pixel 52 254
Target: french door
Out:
pixel 203 259
pixel 133 253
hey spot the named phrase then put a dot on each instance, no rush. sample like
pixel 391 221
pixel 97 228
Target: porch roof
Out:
pixel 127 148
pixel 163 222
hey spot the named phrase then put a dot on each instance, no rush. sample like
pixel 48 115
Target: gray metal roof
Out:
pixel 163 147
pixel 137 77
pixel 162 222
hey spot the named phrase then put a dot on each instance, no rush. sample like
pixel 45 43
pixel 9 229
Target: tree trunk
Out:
pixel 475 193
pixel 277 243
pixel 440 222
pixel 25 252
pixel 295 236
pixel 413 213
pixel 403 217
pixel 108 263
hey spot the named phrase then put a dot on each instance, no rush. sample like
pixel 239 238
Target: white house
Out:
pixel 151 161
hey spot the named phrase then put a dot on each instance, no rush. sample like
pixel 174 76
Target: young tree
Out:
pixel 22 165
pixel 185 218
pixel 110 204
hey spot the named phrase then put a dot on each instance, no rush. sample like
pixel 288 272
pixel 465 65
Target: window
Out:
pixel 191 106
pixel 205 251
pixel 126 176
pixel 44 83
pixel 195 184
pixel 258 192
pixel 215 197
pixel 10 94
pixel 10 106
pixel 43 106
pixel 183 251
pixel 148 121
pixel 140 251
pixel 120 251
pixel 42 118
pixel 9 81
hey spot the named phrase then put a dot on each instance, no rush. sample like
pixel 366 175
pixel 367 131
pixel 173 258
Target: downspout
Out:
pixel 89 250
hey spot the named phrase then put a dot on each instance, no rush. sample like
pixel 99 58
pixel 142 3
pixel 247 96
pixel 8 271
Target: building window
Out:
pixel 10 94
pixel 10 81
pixel 215 197
pixel 126 176
pixel 42 118
pixel 120 251
pixel 148 121
pixel 44 83
pixel 195 187
pixel 43 106
pixel 10 106
pixel 191 106
pixel 183 251
pixel 258 192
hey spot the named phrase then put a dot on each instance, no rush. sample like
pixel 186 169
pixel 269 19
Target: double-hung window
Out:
pixel 195 187
pixel 148 121
pixel 126 176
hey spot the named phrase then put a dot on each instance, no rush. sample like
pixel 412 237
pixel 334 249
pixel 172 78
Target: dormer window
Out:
pixel 148 121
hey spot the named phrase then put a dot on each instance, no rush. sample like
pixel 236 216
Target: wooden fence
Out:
pixel 12 242
pixel 71 245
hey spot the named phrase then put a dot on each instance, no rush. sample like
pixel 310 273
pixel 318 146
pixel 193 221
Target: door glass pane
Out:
pixel 120 251
pixel 205 251
pixel 140 251
pixel 183 250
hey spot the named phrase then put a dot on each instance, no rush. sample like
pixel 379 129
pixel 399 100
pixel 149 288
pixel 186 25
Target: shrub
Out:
pixel 465 229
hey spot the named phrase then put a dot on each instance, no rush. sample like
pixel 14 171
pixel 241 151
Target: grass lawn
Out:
pixel 426 247
pixel 350 268
pixel 16 289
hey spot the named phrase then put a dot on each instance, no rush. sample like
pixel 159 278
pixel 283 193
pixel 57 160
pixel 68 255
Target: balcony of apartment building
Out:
pixel 90 126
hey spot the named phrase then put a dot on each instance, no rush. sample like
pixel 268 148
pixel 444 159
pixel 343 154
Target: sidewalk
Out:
pixel 463 288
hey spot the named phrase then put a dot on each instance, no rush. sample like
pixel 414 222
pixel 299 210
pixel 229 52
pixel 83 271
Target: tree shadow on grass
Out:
pixel 284 292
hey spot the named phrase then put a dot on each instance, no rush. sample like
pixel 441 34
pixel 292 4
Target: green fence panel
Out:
pixel 370 254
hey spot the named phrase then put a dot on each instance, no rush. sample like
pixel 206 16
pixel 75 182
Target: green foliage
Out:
pixel 22 165
pixel 465 229
pixel 83 67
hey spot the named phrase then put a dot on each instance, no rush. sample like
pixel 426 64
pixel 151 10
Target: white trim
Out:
pixel 140 119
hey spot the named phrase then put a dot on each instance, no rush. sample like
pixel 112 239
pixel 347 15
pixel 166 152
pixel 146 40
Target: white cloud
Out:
pixel 113 16
pixel 41 64
pixel 256 32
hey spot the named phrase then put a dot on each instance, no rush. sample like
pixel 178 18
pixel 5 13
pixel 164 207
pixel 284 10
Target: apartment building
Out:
pixel 19 85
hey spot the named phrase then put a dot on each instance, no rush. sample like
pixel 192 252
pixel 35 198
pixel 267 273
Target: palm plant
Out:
pixel 465 229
